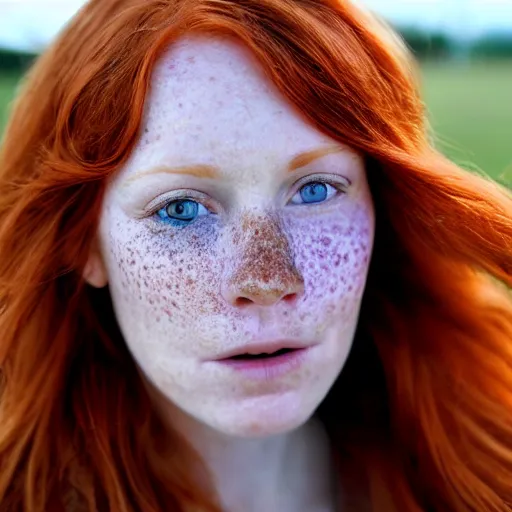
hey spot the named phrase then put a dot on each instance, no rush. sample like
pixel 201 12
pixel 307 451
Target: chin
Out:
pixel 264 416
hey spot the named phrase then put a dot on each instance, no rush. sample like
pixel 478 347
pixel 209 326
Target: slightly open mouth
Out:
pixel 251 357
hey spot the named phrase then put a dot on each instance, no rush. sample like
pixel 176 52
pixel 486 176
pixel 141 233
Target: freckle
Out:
pixel 350 288
pixel 180 105
pixel 326 242
pixel 174 304
pixel 158 319
pixel 345 257
pixel 146 130
pixel 132 263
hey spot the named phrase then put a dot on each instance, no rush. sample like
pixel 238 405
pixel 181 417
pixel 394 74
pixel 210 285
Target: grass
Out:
pixel 470 110
pixel 471 113
pixel 8 84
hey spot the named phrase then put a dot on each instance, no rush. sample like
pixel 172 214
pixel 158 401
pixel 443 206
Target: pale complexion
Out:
pixel 275 246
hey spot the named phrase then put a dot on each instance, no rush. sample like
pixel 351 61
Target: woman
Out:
pixel 229 169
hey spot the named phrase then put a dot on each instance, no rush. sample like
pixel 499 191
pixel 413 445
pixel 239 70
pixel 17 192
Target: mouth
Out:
pixel 263 355
pixel 261 351
pixel 266 363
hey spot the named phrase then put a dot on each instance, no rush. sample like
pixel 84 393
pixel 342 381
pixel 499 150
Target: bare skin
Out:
pixel 275 246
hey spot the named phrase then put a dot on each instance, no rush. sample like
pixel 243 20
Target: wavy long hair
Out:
pixel 424 404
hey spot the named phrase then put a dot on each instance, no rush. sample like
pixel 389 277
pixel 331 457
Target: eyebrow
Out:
pixel 212 172
pixel 199 171
pixel 303 159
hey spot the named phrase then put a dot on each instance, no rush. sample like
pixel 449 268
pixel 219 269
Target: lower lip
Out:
pixel 269 368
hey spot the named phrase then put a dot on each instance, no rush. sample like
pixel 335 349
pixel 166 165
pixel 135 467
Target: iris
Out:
pixel 314 192
pixel 181 212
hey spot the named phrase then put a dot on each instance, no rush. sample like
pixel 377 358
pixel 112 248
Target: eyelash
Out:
pixel 298 186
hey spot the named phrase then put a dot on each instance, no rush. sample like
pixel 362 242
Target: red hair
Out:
pixel 424 404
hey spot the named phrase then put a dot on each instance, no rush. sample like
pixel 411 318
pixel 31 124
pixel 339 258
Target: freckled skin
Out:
pixel 257 267
pixel 265 268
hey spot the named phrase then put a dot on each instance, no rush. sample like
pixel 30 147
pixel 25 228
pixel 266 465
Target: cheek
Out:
pixel 332 253
pixel 163 274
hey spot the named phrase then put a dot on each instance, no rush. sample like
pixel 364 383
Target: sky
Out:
pixel 31 24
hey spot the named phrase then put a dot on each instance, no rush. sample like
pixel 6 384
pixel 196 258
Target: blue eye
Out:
pixel 181 213
pixel 314 192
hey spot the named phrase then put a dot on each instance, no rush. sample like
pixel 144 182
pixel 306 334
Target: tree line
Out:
pixel 15 61
pixel 424 44
pixel 440 45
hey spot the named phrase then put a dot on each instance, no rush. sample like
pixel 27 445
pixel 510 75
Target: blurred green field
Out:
pixel 470 110
pixel 7 89
pixel 471 113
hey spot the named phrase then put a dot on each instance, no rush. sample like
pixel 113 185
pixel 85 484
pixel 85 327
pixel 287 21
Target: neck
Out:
pixel 287 472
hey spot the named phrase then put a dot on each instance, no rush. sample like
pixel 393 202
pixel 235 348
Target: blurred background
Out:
pixel 464 46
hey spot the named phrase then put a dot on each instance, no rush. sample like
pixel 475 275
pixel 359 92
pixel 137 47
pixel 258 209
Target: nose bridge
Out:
pixel 263 269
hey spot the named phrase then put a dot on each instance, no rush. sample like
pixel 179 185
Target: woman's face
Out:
pixel 235 229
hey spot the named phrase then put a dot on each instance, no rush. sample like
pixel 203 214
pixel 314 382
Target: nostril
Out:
pixel 242 301
pixel 291 298
pixel 265 299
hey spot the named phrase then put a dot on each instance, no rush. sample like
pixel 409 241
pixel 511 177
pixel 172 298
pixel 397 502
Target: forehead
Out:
pixel 210 102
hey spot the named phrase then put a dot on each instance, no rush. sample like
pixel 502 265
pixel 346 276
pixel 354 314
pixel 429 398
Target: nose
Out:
pixel 262 292
pixel 262 271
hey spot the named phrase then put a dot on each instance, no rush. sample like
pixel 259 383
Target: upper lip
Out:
pixel 267 347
